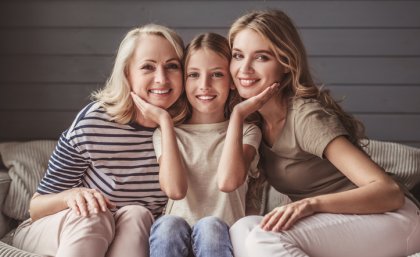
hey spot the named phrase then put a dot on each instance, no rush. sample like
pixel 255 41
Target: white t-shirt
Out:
pixel 201 146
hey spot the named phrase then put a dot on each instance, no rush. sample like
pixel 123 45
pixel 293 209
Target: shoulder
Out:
pixel 303 105
pixel 91 115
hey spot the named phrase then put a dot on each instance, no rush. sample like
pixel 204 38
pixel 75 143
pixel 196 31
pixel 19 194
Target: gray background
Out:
pixel 53 54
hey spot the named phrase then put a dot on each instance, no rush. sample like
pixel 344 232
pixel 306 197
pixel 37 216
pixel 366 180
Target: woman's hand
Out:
pixel 149 111
pixel 86 201
pixel 283 217
pixel 254 103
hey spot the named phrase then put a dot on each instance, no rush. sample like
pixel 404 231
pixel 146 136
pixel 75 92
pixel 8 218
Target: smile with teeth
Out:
pixel 206 97
pixel 247 82
pixel 159 91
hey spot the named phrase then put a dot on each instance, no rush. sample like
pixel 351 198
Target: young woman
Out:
pixel 343 203
pixel 101 191
pixel 206 175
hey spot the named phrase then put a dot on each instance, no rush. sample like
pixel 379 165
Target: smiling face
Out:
pixel 254 66
pixel 154 72
pixel 207 85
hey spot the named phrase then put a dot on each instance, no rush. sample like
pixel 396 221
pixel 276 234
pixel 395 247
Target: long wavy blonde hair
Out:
pixel 115 96
pixel 284 40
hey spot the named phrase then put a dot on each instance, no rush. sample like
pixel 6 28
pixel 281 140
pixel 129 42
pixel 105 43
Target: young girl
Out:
pixel 101 189
pixel 206 176
pixel 343 203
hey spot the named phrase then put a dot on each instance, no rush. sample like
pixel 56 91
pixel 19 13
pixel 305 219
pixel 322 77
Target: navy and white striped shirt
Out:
pixel 117 159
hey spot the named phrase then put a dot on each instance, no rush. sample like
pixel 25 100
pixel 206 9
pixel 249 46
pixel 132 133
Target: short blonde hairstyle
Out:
pixel 115 96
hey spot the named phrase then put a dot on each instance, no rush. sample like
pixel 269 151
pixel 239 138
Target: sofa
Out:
pixel 22 165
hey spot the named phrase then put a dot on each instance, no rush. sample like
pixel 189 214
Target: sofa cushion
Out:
pixel 401 160
pixel 26 163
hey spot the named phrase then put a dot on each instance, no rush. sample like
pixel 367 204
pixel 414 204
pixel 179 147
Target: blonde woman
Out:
pixel 101 191
pixel 343 204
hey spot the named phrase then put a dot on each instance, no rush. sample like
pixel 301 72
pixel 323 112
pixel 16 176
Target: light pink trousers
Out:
pixel 392 234
pixel 64 234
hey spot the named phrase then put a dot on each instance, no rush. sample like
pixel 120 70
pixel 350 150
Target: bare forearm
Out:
pixel 232 169
pixel 377 197
pixel 44 205
pixel 172 174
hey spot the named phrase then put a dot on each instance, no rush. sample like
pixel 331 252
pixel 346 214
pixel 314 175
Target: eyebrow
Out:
pixel 257 52
pixel 212 69
pixel 169 60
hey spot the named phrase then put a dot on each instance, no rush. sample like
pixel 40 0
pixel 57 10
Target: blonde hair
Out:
pixel 115 96
pixel 285 42
pixel 220 45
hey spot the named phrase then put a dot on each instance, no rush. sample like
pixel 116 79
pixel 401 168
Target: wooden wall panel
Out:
pixel 105 41
pixel 54 53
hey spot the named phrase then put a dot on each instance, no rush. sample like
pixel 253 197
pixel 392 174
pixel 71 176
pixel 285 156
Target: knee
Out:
pixel 170 227
pixel 243 227
pixel 170 234
pixel 134 215
pixel 211 233
pixel 260 241
pixel 211 224
pixel 101 224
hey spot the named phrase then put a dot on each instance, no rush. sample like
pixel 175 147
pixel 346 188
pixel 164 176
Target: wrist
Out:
pixel 314 204
pixel 238 114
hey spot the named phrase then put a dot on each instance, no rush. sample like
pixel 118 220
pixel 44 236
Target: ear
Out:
pixel 232 86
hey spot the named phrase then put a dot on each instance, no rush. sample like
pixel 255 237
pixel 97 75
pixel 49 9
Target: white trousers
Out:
pixel 392 234
pixel 64 234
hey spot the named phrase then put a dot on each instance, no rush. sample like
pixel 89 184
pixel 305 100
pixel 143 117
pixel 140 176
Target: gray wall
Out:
pixel 54 53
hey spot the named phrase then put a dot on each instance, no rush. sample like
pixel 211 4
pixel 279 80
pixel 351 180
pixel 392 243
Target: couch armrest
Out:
pixel 4 188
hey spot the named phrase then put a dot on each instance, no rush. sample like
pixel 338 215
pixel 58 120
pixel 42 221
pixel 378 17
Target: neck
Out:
pixel 206 118
pixel 274 110
pixel 140 119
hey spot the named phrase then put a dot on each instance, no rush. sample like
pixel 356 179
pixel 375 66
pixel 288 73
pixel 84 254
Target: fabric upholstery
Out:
pixel 10 251
pixel 26 162
pixel 401 160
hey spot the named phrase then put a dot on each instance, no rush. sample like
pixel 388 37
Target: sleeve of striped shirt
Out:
pixel 65 168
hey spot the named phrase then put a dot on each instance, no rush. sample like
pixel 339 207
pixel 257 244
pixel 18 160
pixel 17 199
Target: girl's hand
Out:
pixel 283 217
pixel 149 111
pixel 254 103
pixel 86 201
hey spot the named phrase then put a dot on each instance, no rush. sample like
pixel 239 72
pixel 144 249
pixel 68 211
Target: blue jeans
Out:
pixel 172 236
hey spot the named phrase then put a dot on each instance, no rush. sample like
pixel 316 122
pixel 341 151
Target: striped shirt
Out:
pixel 114 158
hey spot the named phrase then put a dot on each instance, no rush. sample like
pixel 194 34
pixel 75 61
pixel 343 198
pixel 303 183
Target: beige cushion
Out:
pixel 401 160
pixel 27 163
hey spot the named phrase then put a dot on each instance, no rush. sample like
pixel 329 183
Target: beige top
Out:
pixel 201 147
pixel 295 164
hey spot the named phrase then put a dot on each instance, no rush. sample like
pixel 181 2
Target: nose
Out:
pixel 246 66
pixel 205 83
pixel 161 76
